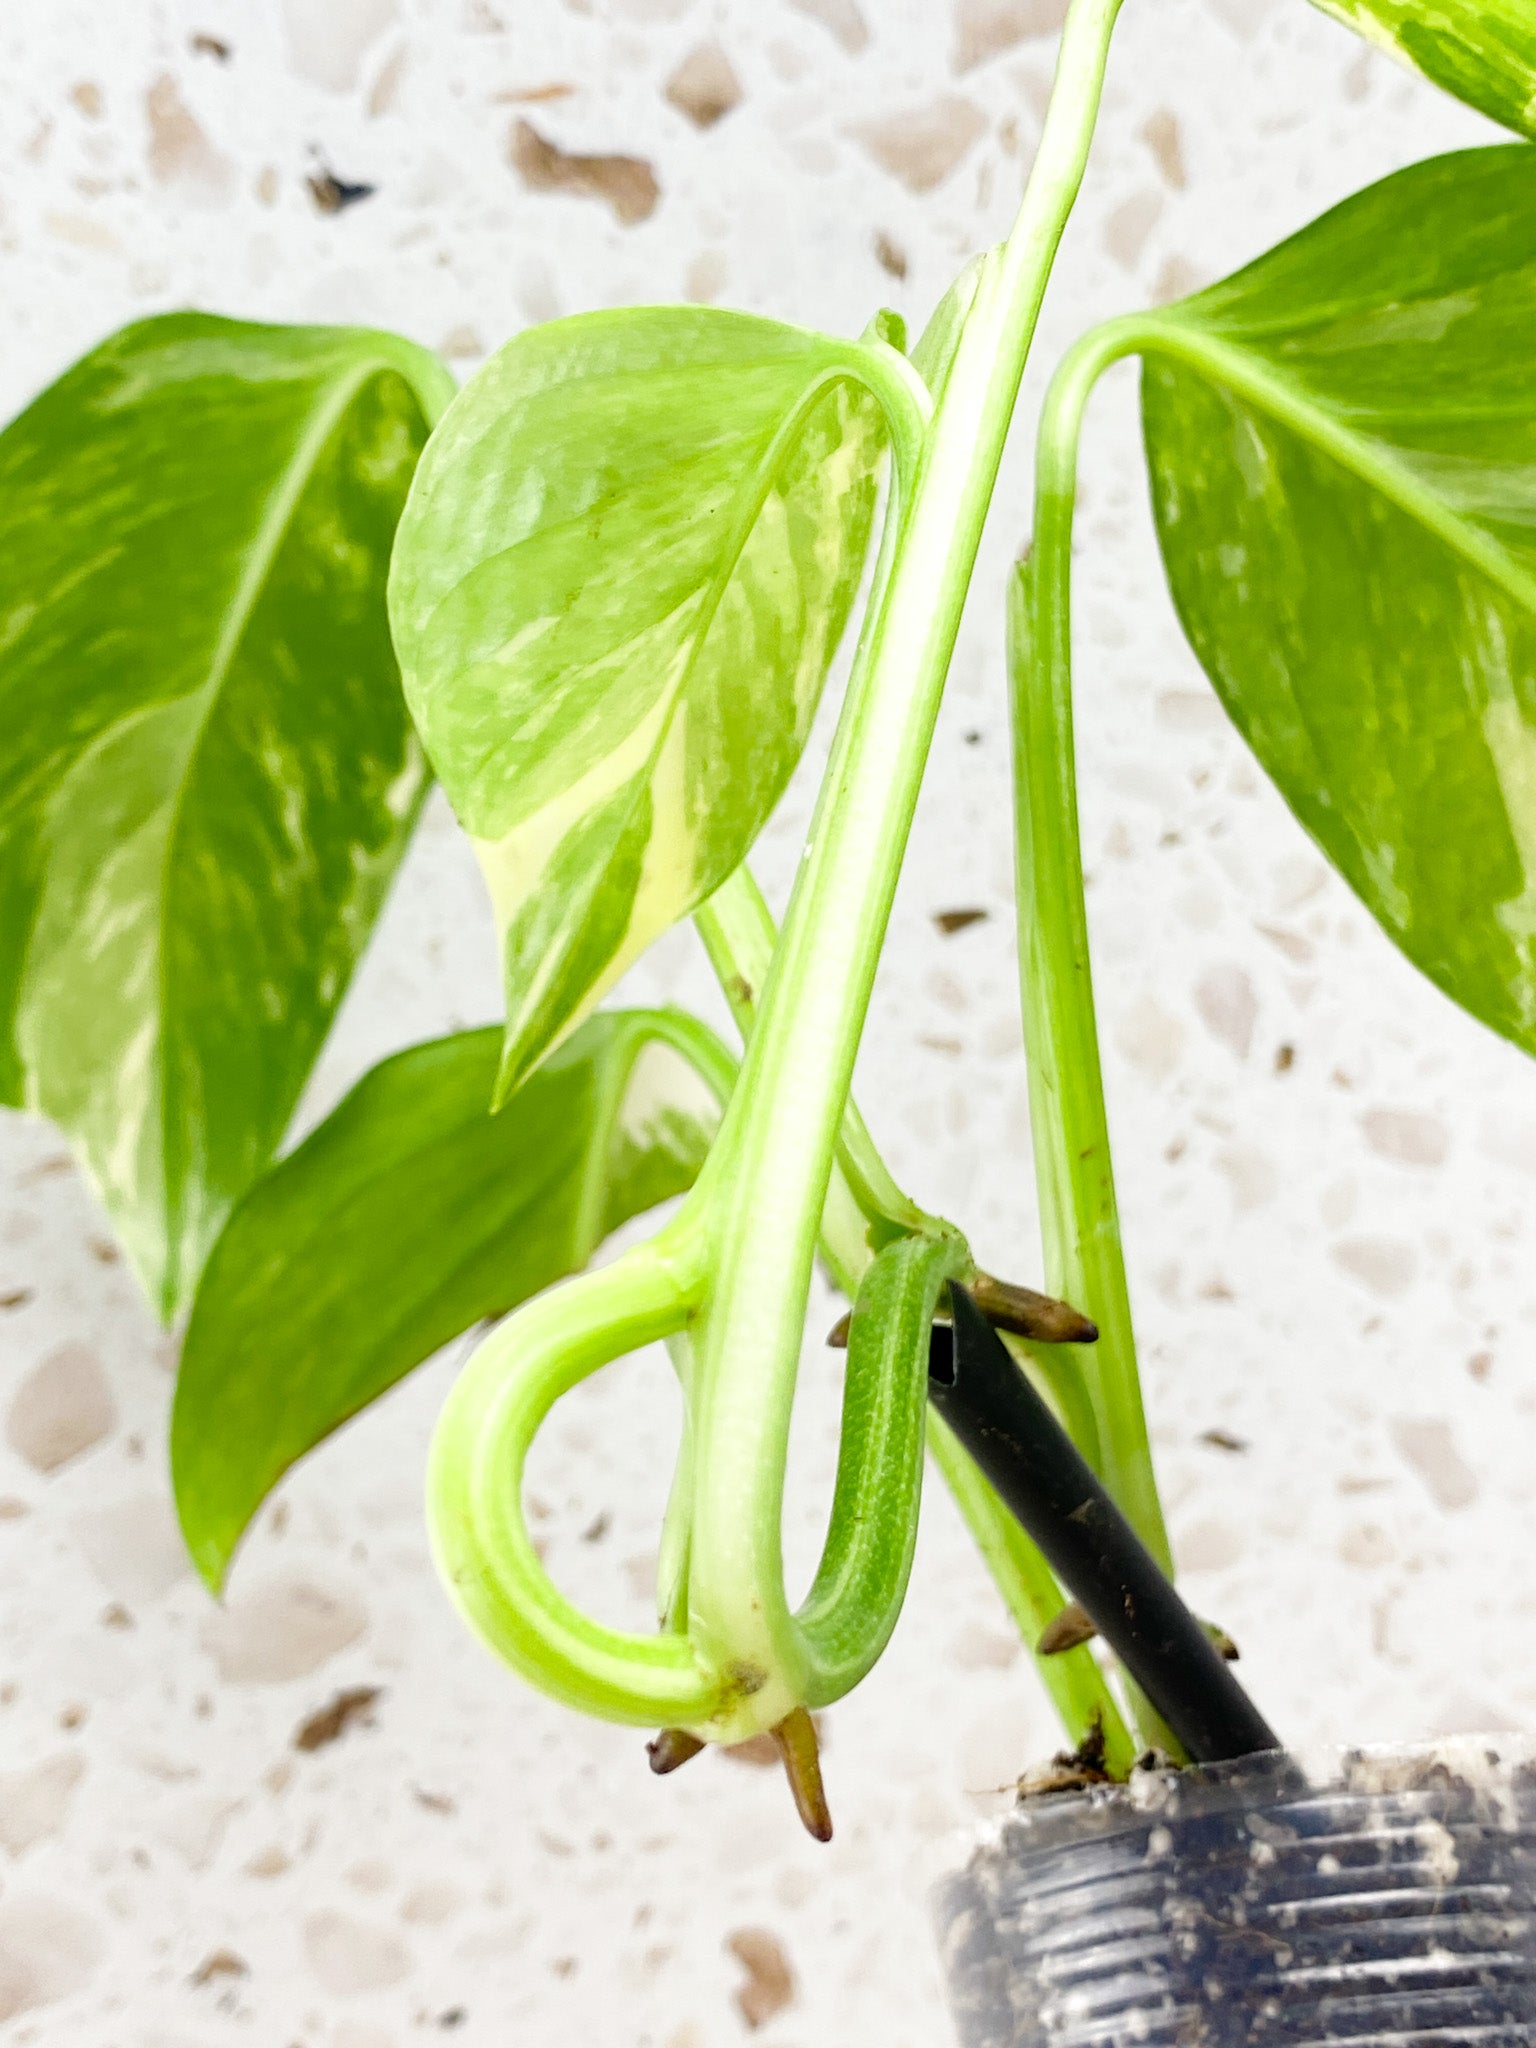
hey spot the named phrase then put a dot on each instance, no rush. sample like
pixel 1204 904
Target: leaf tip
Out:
pixel 210 1557
pixel 209 1551
pixel 509 1077
pixel 213 1570
pixel 521 1051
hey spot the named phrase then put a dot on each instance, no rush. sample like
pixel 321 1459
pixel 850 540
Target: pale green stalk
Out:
pixel 740 937
pixel 1084 1261
pixel 733 1267
pixel 780 1134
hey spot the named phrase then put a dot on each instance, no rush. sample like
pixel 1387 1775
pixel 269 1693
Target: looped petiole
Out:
pixel 675 1678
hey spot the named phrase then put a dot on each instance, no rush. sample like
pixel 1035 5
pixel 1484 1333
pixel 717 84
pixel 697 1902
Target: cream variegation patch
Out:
pixel 663 1087
pixel 1512 749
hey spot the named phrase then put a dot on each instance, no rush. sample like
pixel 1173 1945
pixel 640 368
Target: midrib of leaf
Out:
pixel 1251 379
pixel 614 1068
pixel 647 380
pixel 580 520
pixel 276 520
pixel 750 499
pixel 448 1273
pixel 748 510
pixel 451 1267
pixel 1223 304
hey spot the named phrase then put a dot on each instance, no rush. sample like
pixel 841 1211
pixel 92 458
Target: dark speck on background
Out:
pixel 334 195
pixel 951 921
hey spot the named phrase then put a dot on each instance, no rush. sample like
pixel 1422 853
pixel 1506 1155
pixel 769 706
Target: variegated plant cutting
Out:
pixel 617 578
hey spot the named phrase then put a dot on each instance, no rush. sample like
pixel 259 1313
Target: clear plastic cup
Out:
pixel 1382 1898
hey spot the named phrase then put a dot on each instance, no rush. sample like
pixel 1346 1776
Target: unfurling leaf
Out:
pixel 408 1215
pixel 621 577
pixel 208 774
pixel 1481 51
pixel 1342 440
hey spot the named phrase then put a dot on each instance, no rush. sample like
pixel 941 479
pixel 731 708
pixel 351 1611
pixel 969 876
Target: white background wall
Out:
pixel 1331 1262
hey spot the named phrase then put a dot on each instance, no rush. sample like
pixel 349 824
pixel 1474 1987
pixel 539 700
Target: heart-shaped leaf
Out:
pixel 1482 51
pixel 1342 441
pixel 208 773
pixel 408 1215
pixel 625 566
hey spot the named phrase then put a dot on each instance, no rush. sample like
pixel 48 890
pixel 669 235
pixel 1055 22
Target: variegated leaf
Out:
pixel 622 574
pixel 208 774
pixel 1342 439
pixel 1482 51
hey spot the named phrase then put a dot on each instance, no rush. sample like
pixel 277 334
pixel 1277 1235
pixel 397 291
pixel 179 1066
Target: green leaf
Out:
pixel 1342 441
pixel 625 566
pixel 208 774
pixel 1482 51
pixel 407 1216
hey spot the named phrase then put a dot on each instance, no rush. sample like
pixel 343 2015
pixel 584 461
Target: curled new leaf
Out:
pixel 1482 51
pixel 1342 440
pixel 208 774
pixel 408 1215
pixel 622 574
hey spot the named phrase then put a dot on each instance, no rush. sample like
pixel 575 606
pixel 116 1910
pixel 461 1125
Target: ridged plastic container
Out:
pixel 1382 1898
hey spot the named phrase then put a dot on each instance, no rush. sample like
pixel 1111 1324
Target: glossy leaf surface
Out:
pixel 208 773
pixel 1482 51
pixel 624 569
pixel 1342 441
pixel 407 1216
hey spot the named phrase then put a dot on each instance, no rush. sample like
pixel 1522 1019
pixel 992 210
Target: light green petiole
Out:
pixel 1080 1221
pixel 780 1135
pixel 740 937
pixel 733 1268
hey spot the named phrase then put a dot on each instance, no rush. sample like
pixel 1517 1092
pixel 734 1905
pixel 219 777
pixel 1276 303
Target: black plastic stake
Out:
pixel 1048 1486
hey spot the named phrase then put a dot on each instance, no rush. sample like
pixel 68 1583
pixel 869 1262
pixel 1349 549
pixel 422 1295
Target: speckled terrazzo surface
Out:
pixel 1328 1175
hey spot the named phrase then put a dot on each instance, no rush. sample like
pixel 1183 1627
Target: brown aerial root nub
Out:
pixel 1006 1307
pixel 1065 1631
pixel 1029 1314
pixel 796 1739
pixel 671 1749
pixel 1225 1647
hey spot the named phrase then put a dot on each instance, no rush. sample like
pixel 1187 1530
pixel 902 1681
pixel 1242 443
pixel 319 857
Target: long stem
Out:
pixel 865 1209
pixel 799 1064
pixel 1079 1217
pixel 740 937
